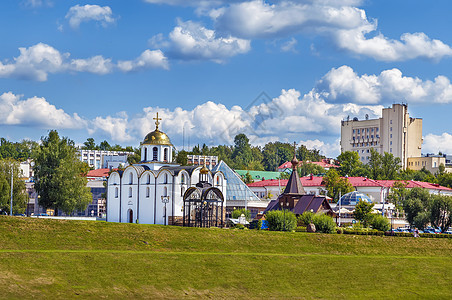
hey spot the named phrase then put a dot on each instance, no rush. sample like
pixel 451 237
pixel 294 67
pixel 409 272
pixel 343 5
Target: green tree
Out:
pixel 398 194
pixel 306 168
pixel 416 203
pixel 104 146
pixel 242 154
pixel 247 178
pixel 59 180
pixel 363 212
pixel 181 157
pixel 89 144
pixel 135 157
pixel 441 212
pixel 379 222
pixel 20 197
pixel 323 223
pixel 349 162
pixel 335 185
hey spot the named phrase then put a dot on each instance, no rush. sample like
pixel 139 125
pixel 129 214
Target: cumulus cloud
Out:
pixel 147 60
pixel 36 3
pixel 289 46
pixel 78 14
pixel 191 41
pixel 344 24
pixel 35 111
pixel 327 149
pixel 40 60
pixel 287 117
pixel 437 143
pixel 343 84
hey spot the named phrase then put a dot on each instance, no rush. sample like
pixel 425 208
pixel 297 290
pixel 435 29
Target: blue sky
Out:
pixel 275 70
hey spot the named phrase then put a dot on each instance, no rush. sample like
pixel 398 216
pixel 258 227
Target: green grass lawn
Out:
pixel 42 258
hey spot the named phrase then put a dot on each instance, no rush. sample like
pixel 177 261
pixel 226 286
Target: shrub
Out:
pixel 236 213
pixel 275 219
pixel 300 229
pixel 305 219
pixel 380 223
pixel 339 230
pixel 324 223
pixel 255 224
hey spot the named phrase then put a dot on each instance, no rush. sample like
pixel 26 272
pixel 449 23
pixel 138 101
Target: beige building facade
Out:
pixel 395 132
pixel 431 163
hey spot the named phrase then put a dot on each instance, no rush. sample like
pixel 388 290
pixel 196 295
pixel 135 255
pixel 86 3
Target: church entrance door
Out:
pixel 130 216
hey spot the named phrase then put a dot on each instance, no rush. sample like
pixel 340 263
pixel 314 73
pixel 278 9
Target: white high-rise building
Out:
pixel 395 132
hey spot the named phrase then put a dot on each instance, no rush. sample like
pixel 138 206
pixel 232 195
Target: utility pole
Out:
pixel 11 204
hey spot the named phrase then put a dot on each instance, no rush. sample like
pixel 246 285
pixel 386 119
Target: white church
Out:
pixel 158 191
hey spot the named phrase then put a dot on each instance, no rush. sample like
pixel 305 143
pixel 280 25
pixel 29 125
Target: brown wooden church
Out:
pixel 295 199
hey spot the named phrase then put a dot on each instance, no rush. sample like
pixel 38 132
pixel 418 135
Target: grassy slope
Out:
pixel 41 258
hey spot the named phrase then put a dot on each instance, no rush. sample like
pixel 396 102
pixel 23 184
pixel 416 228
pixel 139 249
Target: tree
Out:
pixel 135 157
pixel 363 212
pixel 416 206
pixel 89 144
pixel 236 213
pixel 379 222
pixel 104 146
pixel 398 194
pixel 441 212
pixel 247 178
pixel 335 185
pixel 349 161
pixel 306 168
pixel 181 157
pixel 242 154
pixel 59 180
pixel 20 197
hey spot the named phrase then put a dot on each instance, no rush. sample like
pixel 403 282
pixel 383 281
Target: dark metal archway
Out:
pixel 203 207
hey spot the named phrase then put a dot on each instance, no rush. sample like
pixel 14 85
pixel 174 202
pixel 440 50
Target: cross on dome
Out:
pixel 157 123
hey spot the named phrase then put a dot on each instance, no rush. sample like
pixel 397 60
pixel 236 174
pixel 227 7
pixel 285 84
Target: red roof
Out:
pixel 98 173
pixel 323 164
pixel 309 181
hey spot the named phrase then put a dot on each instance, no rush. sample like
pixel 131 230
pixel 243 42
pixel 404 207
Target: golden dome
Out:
pixel 204 170
pixel 157 137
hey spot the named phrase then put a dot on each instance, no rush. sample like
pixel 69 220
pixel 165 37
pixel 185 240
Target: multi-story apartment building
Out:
pixel 208 161
pixel 103 159
pixel 395 132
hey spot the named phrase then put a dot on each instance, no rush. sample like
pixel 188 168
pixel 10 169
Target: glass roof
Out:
pixel 236 189
pixel 353 198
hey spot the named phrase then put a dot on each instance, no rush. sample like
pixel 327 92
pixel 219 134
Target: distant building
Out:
pixel 429 162
pixel 197 160
pixel 395 132
pixel 324 163
pixel 98 159
pixel 259 175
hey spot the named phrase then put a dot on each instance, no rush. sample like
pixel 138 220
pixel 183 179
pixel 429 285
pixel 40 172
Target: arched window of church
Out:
pixel 182 178
pixel 148 179
pixel 155 154
pixel 165 155
pixel 165 191
pixel 130 192
pixel 130 178
pixel 147 192
pixel 116 192
pixel 145 154
pixel 165 178
pixel 218 180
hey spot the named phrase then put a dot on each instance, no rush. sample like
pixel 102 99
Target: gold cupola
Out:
pixel 157 137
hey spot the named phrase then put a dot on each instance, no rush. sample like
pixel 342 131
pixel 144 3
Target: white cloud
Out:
pixel 346 25
pixel 35 111
pixel 147 60
pixel 344 85
pixel 40 60
pixel 327 149
pixel 191 41
pixel 78 14
pixel 116 127
pixel 36 3
pixel 437 143
pixel 289 46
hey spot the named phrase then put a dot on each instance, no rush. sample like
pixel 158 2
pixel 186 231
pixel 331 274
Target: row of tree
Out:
pixel 387 167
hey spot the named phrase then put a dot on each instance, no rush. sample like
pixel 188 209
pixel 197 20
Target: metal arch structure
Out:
pixel 203 207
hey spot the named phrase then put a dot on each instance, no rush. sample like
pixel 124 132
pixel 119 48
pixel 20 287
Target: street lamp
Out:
pixel 165 200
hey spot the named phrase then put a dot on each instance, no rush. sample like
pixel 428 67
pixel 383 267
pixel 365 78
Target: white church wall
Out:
pixel 113 197
pixel 129 194
pixel 147 196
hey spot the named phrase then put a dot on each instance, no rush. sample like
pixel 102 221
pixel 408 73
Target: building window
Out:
pixel 130 192
pixel 130 178
pixel 377 129
pixel 353 131
pixel 390 143
pixel 147 192
pixel 390 150
pixel 390 135
pixel 165 178
pixel 148 179
pixel 182 178
pixel 116 192
pixel 390 129
pixel 145 154
pixel 218 180
pixel 372 136
pixel 165 155
pixel 154 154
